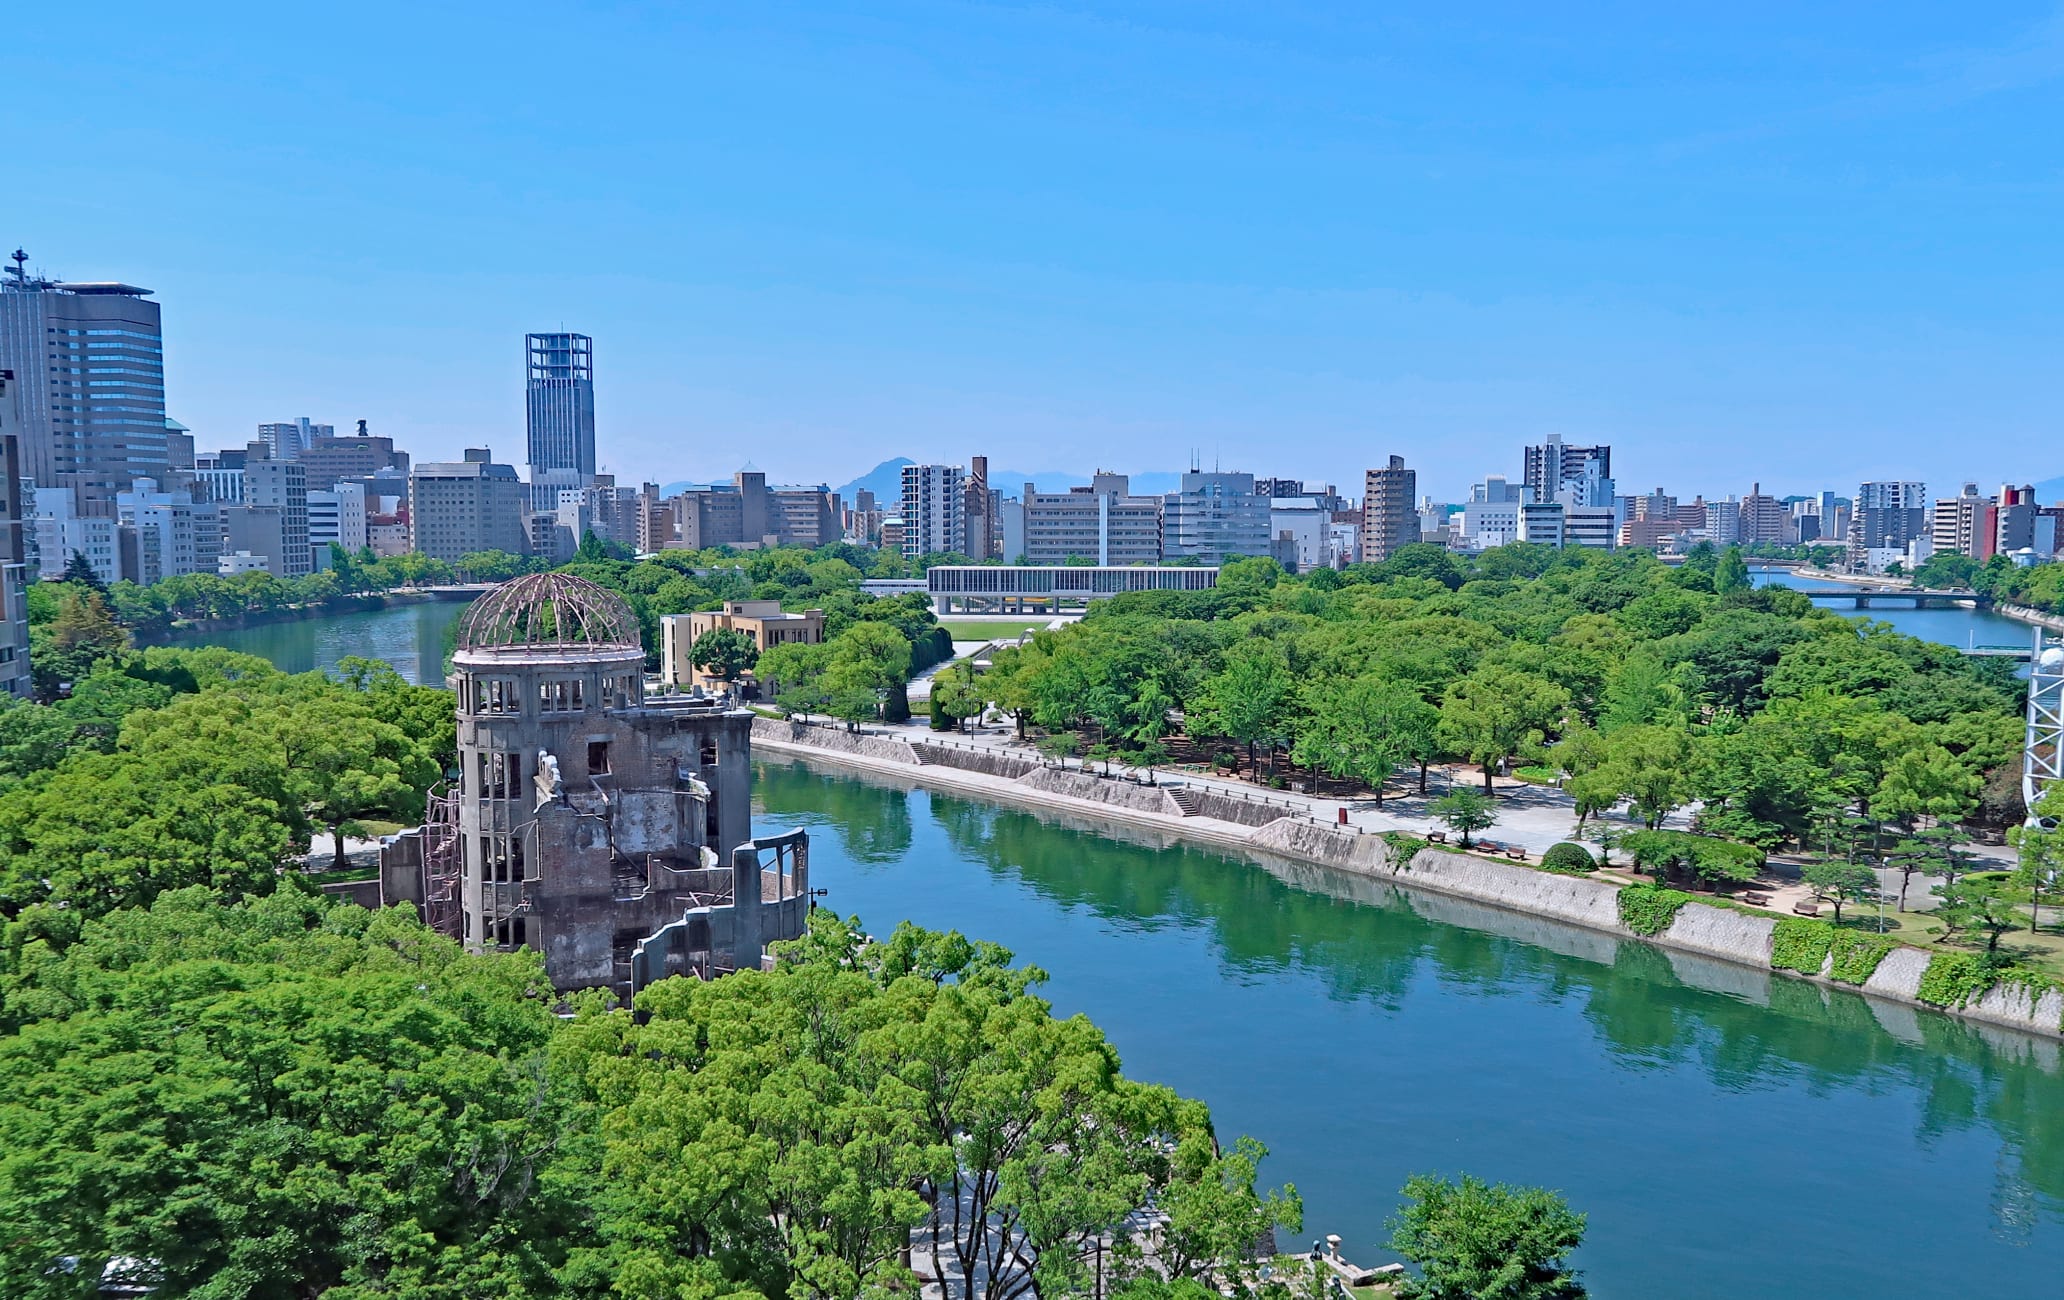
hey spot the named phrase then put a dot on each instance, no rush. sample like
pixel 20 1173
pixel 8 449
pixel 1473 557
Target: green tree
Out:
pixel 771 1132
pixel 1835 882
pixel 1362 728
pixel 2039 846
pixel 1244 701
pixel 793 672
pixel 1474 1241
pixel 724 653
pixel 491 566
pixel 956 694
pixel 1465 812
pixel 278 1099
pixel 1651 767
pixel 1732 573
pixel 79 570
pixel 1978 903
pixel 1493 713
pixel 81 635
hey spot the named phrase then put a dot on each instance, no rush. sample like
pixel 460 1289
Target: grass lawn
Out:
pixel 992 630
pixel 2043 950
pixel 375 828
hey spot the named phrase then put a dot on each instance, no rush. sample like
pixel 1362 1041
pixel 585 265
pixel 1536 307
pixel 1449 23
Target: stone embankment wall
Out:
pixel 1699 932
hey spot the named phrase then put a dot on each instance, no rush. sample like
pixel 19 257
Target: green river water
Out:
pixel 1730 1133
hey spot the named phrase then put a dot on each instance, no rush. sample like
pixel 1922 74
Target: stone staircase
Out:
pixel 1186 799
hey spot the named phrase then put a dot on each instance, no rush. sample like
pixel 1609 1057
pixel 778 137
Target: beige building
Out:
pixel 762 620
pixel 459 507
pixel 1390 514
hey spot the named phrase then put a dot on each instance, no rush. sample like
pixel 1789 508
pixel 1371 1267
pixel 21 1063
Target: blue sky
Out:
pixel 1806 244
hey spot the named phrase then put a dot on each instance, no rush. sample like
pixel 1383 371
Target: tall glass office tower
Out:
pixel 560 406
pixel 89 360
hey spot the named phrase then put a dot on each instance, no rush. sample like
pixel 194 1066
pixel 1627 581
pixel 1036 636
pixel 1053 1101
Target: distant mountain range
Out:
pixel 2048 492
pixel 886 482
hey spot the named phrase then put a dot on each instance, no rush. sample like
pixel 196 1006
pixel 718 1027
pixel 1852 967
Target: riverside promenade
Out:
pixel 1295 830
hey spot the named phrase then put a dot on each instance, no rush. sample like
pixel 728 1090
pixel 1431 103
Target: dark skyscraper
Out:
pixel 89 360
pixel 559 402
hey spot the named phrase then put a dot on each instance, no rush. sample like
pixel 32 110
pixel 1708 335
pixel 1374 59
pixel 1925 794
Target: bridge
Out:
pixel 1905 597
pixel 2021 652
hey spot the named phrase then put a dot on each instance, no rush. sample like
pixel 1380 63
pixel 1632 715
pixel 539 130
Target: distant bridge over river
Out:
pixel 1900 597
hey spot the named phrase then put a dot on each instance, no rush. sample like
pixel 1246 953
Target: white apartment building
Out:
pixel 933 500
pixel 336 516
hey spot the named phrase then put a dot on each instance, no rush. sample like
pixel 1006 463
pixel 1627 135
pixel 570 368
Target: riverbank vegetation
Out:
pixel 1999 579
pixel 1669 693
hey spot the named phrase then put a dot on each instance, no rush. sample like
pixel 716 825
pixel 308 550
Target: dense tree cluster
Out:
pixel 1998 578
pixel 281 1098
pixel 172 768
pixel 1644 686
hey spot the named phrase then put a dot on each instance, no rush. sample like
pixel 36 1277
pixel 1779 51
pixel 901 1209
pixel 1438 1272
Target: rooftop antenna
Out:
pixel 19 259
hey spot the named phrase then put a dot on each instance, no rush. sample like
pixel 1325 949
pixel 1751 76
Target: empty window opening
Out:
pixel 598 758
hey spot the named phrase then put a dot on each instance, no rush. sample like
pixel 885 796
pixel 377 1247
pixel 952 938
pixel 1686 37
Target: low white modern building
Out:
pixel 981 588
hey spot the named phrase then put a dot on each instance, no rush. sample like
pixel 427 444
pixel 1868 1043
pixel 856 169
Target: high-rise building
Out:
pixel 934 501
pixel 1555 469
pixel 336 516
pixel 89 359
pixel 328 458
pixel 1103 522
pixel 457 507
pixel 163 515
pixel 1390 517
pixel 287 439
pixel 280 485
pixel 14 572
pixel 2015 516
pixel 1886 518
pixel 1763 519
pixel 747 512
pixel 1963 524
pixel 559 406
pixel 61 532
pixel 1213 517
pixel 979 508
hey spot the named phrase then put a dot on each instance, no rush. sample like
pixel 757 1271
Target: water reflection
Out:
pixel 414 637
pixel 1629 1073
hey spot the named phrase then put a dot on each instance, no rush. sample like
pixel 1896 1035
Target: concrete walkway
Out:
pixel 1532 817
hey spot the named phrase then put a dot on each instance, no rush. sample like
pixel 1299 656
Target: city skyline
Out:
pixel 915 228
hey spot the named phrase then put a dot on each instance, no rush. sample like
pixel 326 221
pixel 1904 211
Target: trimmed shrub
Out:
pixel 1648 910
pixel 1857 955
pixel 1800 943
pixel 1568 859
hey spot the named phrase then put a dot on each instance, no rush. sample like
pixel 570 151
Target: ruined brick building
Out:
pixel 587 818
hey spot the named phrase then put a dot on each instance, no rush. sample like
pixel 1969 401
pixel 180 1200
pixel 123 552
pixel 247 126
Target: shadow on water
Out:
pixel 1887 1084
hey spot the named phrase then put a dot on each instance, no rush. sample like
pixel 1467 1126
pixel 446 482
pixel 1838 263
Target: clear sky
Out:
pixel 1804 244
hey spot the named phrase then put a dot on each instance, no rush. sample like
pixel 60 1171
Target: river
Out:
pixel 1962 628
pixel 413 636
pixel 1729 1132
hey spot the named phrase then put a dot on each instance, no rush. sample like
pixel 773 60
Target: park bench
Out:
pixel 1806 907
pixel 1516 853
pixel 1436 837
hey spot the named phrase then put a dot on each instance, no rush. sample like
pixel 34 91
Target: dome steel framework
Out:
pixel 549 611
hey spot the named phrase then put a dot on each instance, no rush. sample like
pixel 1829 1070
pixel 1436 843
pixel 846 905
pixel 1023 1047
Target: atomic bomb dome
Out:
pixel 549 612
pixel 610 831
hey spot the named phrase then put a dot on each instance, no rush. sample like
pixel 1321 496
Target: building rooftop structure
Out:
pixel 587 820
